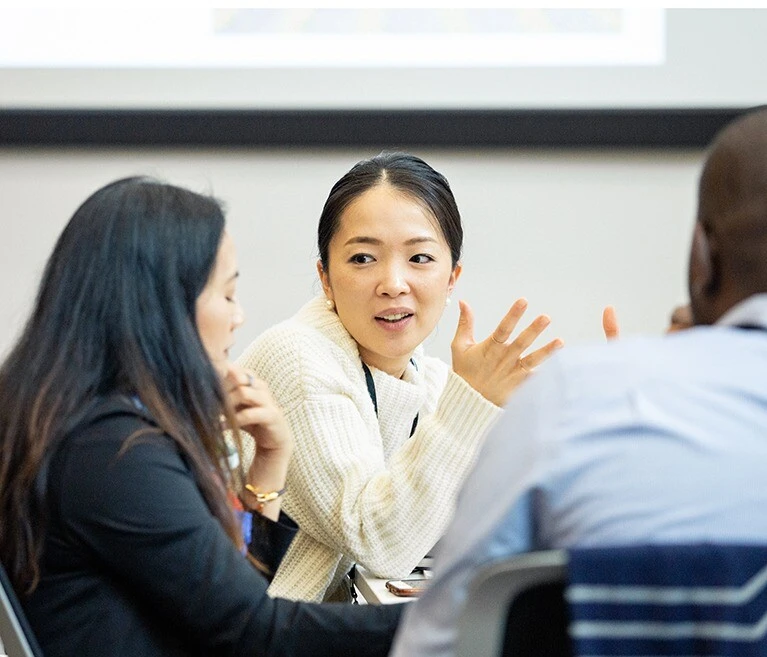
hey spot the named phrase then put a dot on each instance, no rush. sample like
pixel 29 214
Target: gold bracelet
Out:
pixel 263 498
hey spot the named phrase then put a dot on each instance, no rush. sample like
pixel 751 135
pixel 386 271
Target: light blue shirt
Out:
pixel 635 441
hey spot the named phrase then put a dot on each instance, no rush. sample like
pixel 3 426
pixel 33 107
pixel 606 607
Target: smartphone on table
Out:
pixel 407 588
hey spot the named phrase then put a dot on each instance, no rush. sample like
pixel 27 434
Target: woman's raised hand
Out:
pixel 496 366
pixel 256 411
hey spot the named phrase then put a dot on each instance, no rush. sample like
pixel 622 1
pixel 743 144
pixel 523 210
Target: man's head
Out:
pixel 728 257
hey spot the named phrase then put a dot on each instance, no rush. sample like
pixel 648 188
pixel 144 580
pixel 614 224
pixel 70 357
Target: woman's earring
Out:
pixel 329 303
pixel 447 301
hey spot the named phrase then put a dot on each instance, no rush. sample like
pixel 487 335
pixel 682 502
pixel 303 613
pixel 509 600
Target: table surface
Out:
pixel 374 590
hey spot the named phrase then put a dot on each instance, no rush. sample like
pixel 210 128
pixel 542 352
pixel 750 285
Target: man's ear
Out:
pixel 713 284
pixel 324 280
pixel 705 265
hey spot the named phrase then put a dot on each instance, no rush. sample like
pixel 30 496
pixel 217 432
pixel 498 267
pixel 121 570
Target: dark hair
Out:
pixel 115 313
pixel 406 173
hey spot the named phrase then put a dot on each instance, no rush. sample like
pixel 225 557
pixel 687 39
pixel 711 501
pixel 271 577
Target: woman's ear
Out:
pixel 324 280
pixel 454 276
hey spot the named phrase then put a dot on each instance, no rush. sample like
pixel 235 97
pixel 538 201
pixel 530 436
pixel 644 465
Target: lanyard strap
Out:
pixel 374 398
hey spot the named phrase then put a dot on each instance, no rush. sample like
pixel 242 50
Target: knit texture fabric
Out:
pixel 360 488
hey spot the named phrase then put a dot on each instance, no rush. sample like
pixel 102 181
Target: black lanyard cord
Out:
pixel 374 398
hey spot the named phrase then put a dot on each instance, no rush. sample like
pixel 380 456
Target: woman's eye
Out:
pixel 422 259
pixel 361 258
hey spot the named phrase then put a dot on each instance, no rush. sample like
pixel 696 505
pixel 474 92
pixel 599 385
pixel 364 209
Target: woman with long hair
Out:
pixel 116 513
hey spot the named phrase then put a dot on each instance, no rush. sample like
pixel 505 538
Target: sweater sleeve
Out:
pixel 136 510
pixel 342 492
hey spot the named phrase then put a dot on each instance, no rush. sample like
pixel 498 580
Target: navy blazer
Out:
pixel 135 564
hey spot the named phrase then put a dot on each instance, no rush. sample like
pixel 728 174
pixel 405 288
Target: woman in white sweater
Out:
pixel 384 435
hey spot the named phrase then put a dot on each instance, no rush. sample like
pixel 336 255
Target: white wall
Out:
pixel 571 231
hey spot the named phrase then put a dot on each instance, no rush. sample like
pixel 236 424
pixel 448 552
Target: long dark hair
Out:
pixel 115 313
pixel 406 173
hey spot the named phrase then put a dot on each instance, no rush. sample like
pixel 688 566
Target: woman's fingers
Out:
pixel 230 381
pixel 257 412
pixel 528 336
pixel 244 388
pixel 507 325
pixel 464 332
pixel 251 399
pixel 610 323
pixel 496 366
pixel 237 377
pixel 247 394
pixel 535 358
pixel 256 415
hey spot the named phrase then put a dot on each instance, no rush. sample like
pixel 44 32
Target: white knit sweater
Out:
pixel 359 487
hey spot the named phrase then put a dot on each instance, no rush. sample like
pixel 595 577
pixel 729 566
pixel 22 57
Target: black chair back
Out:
pixel 536 625
pixel 515 607
pixel 662 600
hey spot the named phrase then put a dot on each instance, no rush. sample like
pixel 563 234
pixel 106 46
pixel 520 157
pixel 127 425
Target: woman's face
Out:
pixel 218 312
pixel 389 274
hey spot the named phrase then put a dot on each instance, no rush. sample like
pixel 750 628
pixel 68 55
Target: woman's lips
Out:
pixel 394 321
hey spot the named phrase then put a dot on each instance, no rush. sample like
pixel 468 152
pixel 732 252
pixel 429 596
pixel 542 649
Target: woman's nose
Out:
pixel 394 282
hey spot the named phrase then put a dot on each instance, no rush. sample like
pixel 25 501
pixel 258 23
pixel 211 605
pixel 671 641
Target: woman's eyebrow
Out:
pixel 363 239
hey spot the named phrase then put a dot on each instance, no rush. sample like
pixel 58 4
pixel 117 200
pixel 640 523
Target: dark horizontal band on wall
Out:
pixel 560 128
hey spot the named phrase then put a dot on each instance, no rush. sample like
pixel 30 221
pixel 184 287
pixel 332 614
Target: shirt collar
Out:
pixel 749 312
